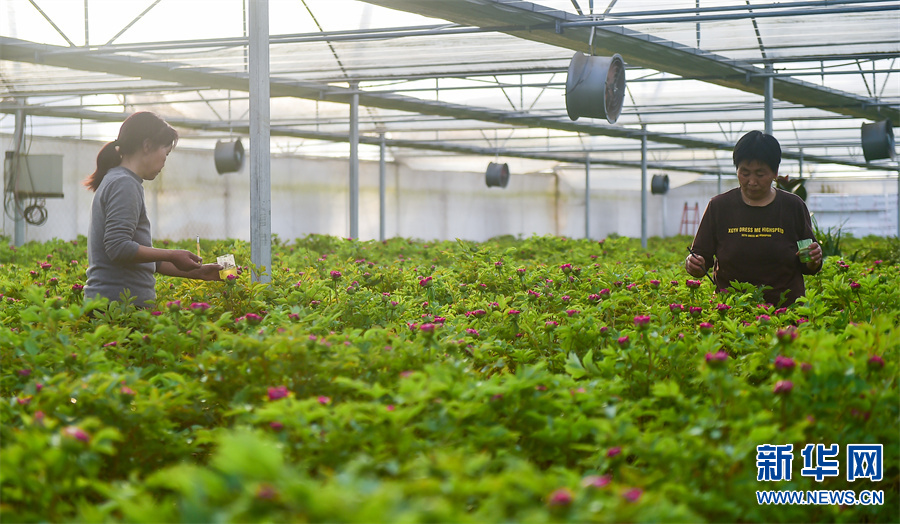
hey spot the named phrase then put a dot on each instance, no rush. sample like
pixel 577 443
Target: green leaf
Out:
pixel 574 367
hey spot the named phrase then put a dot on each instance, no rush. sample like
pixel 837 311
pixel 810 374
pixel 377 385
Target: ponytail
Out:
pixel 136 129
pixel 108 158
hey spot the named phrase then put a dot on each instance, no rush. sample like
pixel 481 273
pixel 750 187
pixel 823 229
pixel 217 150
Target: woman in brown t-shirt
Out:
pixel 751 232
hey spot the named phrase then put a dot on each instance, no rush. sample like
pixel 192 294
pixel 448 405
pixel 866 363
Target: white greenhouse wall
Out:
pixel 309 195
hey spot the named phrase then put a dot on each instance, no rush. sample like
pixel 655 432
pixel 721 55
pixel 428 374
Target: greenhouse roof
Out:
pixel 449 82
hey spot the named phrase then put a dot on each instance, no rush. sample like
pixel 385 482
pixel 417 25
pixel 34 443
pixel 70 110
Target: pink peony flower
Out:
pixel 676 308
pixel 692 284
pixel 623 341
pixel 277 393
pixel 641 321
pixel 336 275
pixel 783 387
pixel 126 391
pixel 695 311
pixel 605 292
pixel 654 284
pixel 594 481
pixel 786 335
pixel 324 400
pixel 632 495
pixel 572 312
pixel 551 325
pixel 706 328
pixel 513 312
pixel 199 306
pixel 855 285
pixel 722 308
pixel 875 363
pixel 425 282
pixel 76 433
pixel 764 320
pixel 784 365
pixel 612 452
pixel 390 407
pixel 560 497
pixel 716 360
pixel 427 328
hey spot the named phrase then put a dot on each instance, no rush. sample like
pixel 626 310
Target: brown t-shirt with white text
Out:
pixel 757 245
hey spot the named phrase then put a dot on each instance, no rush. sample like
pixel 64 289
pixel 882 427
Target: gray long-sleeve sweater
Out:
pixel 119 224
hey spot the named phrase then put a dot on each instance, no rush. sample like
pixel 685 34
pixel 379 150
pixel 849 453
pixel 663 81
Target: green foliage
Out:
pixel 882 251
pixel 829 239
pixel 438 382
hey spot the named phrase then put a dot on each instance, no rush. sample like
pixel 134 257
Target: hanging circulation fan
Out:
pixel 595 87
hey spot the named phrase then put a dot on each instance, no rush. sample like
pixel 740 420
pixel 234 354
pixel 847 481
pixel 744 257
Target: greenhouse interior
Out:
pixel 461 290
pixel 448 89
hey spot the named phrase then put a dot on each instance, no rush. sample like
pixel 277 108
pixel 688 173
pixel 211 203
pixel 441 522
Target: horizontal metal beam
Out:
pixel 276 130
pixel 244 129
pixel 31 52
pixel 638 49
pixel 749 12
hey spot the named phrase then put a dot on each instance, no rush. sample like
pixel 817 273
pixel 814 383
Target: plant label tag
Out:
pixel 228 266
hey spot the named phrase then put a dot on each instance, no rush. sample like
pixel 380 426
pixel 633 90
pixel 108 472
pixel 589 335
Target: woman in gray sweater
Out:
pixel 121 255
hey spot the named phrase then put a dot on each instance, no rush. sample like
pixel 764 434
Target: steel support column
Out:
pixel 17 160
pixel 644 186
pixel 354 161
pixel 769 94
pixel 382 175
pixel 260 161
pixel 587 196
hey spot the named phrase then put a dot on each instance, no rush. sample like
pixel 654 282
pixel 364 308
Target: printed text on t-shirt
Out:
pixel 755 232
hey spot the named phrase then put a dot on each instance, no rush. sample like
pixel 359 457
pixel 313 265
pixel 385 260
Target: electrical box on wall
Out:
pixel 40 176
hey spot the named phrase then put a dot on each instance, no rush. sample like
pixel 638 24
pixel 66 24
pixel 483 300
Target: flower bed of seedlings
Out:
pixel 525 380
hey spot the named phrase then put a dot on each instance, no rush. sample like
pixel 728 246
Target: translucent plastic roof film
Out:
pixel 448 80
